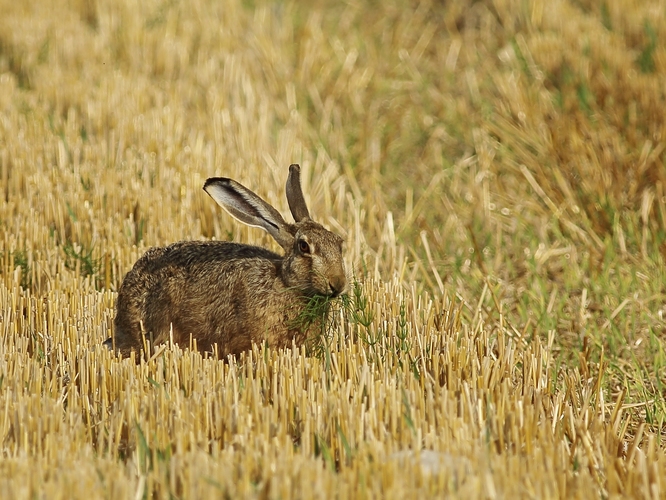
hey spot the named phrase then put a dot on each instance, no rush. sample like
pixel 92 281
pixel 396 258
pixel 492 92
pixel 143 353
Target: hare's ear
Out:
pixel 295 194
pixel 247 207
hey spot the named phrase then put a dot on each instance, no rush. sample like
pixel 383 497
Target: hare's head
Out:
pixel 312 255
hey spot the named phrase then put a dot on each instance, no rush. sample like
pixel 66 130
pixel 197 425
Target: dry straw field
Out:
pixel 496 168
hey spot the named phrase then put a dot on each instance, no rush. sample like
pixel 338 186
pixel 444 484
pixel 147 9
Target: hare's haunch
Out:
pixel 231 294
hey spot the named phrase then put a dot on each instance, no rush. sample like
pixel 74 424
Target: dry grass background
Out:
pixel 497 168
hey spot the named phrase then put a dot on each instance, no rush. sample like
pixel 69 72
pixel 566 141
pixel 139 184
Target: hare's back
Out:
pixel 168 277
pixel 194 254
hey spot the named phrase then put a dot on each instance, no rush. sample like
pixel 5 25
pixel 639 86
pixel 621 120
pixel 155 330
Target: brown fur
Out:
pixel 231 294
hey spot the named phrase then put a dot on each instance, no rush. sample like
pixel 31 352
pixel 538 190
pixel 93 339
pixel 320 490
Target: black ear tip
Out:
pixel 215 180
pixel 294 168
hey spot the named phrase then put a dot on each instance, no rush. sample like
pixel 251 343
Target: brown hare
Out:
pixel 231 294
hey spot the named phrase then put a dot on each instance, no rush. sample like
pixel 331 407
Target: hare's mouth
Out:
pixel 329 293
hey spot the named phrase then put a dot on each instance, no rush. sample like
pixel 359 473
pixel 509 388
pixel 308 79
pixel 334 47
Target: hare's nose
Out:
pixel 337 286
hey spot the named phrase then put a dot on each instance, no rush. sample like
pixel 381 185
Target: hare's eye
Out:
pixel 303 246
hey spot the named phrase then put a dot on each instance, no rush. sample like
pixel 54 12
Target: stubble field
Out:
pixel 496 168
